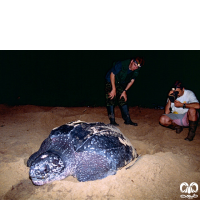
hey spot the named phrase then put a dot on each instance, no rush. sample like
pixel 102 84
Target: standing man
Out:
pixel 118 80
pixel 181 110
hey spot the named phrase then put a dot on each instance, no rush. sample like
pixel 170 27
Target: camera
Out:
pixel 173 96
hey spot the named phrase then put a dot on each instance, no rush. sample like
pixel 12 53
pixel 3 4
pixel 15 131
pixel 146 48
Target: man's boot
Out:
pixel 111 115
pixel 176 127
pixel 126 116
pixel 192 130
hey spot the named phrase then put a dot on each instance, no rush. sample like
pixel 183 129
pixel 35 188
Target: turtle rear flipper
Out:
pixel 92 166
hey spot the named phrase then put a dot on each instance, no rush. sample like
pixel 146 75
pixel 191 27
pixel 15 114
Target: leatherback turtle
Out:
pixel 87 151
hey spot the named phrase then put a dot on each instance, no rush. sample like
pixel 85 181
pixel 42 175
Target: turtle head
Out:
pixel 46 168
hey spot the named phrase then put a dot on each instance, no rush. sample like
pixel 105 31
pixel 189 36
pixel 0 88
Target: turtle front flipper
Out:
pixel 43 148
pixel 92 166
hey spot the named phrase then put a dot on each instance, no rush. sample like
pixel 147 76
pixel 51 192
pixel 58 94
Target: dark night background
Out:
pixel 76 78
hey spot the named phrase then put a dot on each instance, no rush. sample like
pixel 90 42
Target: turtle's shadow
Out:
pixel 24 190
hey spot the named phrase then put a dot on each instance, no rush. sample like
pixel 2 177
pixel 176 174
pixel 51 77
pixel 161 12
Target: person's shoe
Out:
pixel 111 115
pixel 114 123
pixel 179 129
pixel 192 130
pixel 131 123
pixel 190 137
pixel 126 116
pixel 176 127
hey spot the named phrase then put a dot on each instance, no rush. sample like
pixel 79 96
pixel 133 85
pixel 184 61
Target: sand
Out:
pixel 166 160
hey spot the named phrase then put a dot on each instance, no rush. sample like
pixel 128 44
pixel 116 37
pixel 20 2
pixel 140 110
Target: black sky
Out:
pixel 76 78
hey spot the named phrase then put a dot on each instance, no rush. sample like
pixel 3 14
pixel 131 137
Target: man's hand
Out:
pixel 124 95
pixel 178 103
pixel 112 94
pixel 170 92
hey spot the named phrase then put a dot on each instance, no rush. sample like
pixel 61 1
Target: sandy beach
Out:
pixel 166 160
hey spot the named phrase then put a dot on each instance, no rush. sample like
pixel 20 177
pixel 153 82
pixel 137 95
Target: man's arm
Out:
pixel 127 87
pixel 130 84
pixel 112 94
pixel 187 105
pixel 167 107
pixel 112 79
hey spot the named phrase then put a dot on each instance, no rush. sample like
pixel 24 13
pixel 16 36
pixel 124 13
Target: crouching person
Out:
pixel 181 110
